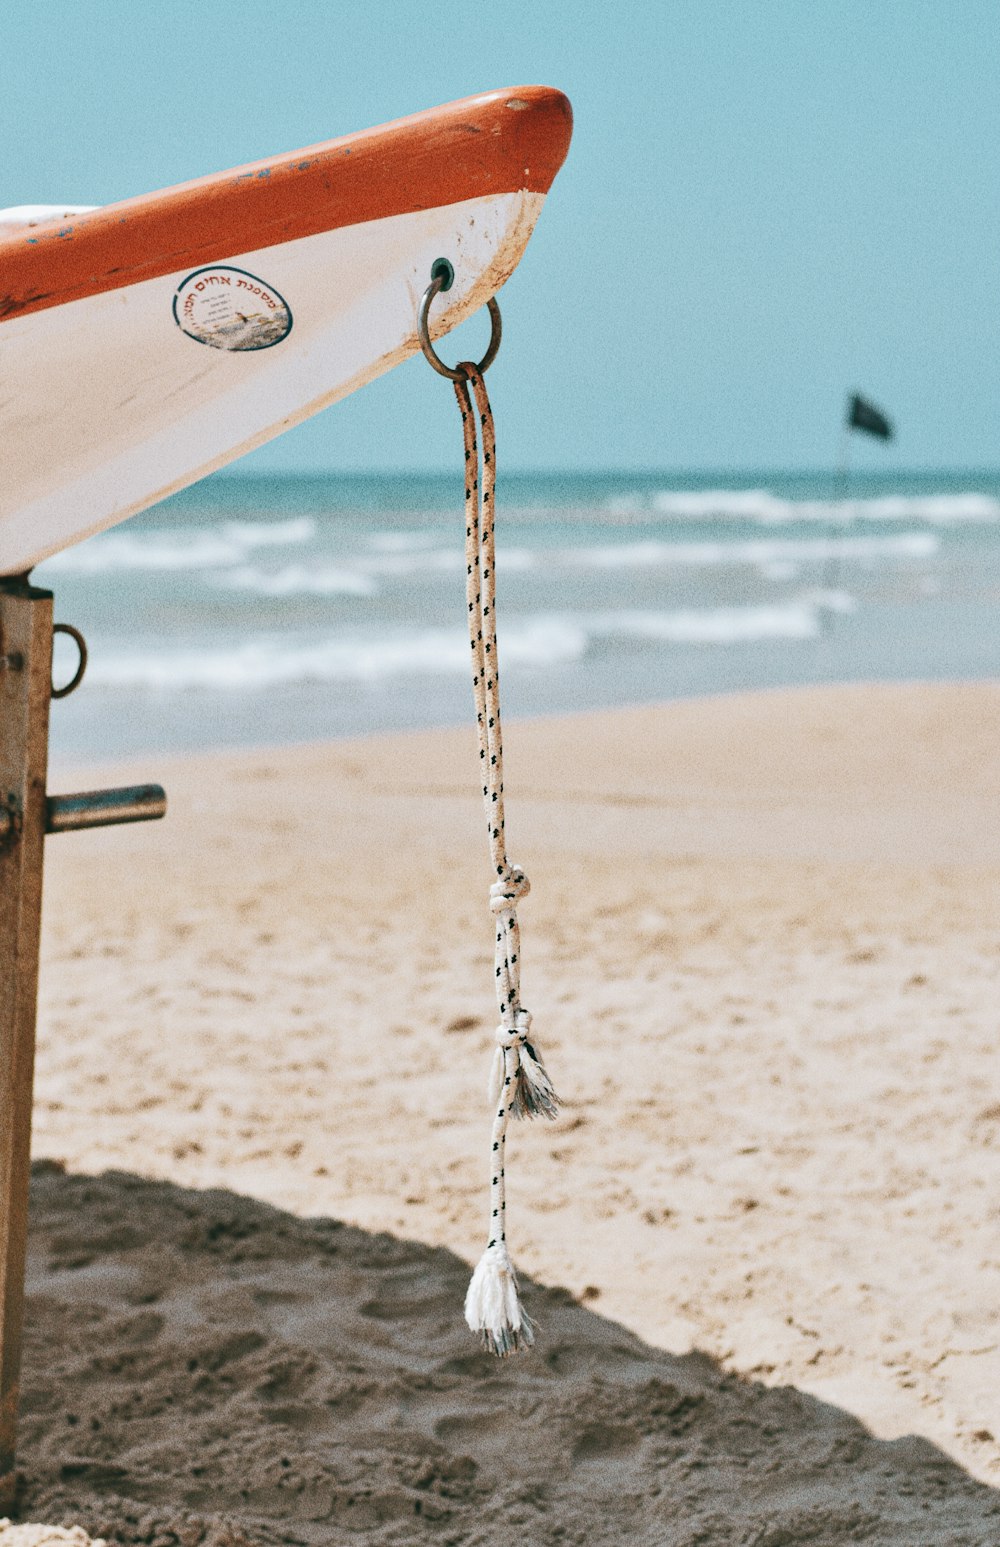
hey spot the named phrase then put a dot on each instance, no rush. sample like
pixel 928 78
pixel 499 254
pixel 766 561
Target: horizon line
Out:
pixel 672 473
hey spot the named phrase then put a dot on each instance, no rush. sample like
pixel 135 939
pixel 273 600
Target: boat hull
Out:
pixel 122 385
pixel 109 405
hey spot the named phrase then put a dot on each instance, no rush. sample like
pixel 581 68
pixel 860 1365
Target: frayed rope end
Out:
pixel 493 1306
pixel 533 1094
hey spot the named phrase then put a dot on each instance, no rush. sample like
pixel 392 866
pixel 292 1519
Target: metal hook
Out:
pixel 442 277
pixel 81 667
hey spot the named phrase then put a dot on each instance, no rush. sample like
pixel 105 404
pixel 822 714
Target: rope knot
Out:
pixel 516 1035
pixel 506 893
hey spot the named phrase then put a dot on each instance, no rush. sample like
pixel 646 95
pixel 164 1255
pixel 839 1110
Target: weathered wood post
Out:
pixel 25 691
pixel 26 814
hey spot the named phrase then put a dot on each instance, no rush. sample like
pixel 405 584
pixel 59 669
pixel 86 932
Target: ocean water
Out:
pixel 257 610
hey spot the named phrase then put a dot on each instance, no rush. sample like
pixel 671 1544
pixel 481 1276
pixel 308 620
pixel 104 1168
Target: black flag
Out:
pixel 862 415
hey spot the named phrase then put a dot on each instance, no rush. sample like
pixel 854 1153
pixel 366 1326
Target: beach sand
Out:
pixel 762 1241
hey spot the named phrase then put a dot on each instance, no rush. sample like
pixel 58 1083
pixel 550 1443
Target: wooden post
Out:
pixel 25 690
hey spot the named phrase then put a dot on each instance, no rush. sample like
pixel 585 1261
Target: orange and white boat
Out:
pixel 147 343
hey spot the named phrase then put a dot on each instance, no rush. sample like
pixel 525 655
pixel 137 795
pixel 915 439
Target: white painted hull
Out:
pixel 107 405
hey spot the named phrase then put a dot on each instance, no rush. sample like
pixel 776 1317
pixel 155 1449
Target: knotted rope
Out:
pixel 519 1085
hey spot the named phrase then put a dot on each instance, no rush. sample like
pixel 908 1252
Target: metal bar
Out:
pixel 25 687
pixel 104 808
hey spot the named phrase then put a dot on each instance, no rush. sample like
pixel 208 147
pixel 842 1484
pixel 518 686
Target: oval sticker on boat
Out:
pixel 228 308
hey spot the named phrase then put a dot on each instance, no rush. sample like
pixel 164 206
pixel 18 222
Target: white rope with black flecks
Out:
pixel 519 1084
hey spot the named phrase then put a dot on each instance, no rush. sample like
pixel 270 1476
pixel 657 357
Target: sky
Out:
pixel 764 207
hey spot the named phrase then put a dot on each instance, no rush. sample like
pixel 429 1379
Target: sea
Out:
pixel 262 609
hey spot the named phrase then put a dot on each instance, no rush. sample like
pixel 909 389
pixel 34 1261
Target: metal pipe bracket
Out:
pixel 105 808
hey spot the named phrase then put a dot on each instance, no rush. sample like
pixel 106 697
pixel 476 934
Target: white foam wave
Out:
pixel 225 555
pixel 761 553
pixel 265 662
pixel 185 549
pixel 153 551
pixel 799 618
pixel 533 641
pixel 444 560
pixel 271 534
pixel 360 575
pixel 296 580
pixel 774 558
pixel 769 509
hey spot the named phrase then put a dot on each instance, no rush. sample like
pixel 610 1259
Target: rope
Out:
pixel 519 1084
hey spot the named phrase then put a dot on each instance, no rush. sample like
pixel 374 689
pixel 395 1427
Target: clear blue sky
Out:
pixel 765 204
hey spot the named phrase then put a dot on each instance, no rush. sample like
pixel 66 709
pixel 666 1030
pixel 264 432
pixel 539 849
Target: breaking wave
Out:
pixel 365 574
pixel 526 642
pixel 190 548
pixel 760 505
pixel 758 552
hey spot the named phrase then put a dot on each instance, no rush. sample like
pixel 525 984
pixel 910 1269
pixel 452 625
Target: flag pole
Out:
pixel 861 415
pixel 831 569
pixel 844 460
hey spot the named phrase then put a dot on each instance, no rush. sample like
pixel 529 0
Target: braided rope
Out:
pixel 519 1083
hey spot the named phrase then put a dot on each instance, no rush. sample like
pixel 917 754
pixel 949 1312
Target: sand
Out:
pixel 762 950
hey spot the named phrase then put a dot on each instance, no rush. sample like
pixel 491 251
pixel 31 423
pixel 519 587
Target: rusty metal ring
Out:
pixel 81 666
pixel 440 282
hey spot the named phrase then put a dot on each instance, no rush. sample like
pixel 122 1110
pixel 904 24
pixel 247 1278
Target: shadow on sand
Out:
pixel 201 1368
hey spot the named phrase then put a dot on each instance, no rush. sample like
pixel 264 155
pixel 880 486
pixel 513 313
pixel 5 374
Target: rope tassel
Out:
pixel 493 1307
pixel 531 1092
pixel 519 1082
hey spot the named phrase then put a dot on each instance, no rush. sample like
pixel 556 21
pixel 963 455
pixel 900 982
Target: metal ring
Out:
pixel 81 666
pixel 437 284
